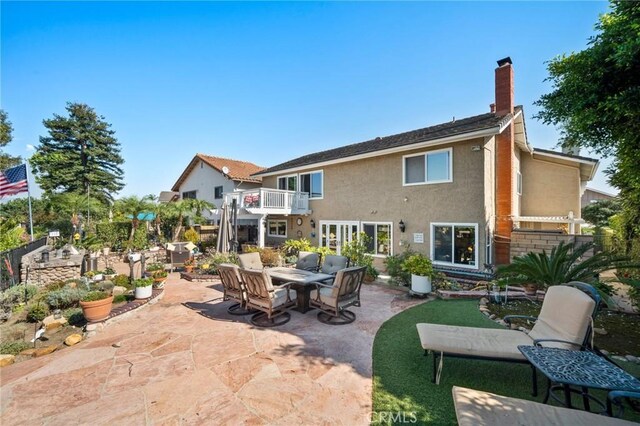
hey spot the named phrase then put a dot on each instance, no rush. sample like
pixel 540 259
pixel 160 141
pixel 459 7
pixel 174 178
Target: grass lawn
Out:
pixel 402 374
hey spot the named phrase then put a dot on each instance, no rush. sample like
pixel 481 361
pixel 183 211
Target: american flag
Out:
pixel 13 181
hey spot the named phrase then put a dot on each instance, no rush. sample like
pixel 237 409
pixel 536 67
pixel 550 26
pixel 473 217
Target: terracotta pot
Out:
pixel 97 310
pixel 369 278
pixel 188 269
pixel 159 279
pixel 530 289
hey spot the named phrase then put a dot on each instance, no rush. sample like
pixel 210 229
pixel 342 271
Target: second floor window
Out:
pixel 217 192
pixel 189 194
pixel 429 167
pixel 288 183
pixel 311 183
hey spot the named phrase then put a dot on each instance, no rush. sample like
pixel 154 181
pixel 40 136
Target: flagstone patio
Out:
pixel 185 360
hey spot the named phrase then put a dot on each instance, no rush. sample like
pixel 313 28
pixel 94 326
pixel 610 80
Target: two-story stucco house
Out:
pixel 454 191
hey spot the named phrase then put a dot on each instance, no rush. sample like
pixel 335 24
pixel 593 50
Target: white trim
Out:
pixel 338 223
pixel 321 171
pixel 601 192
pixel 286 228
pixel 425 154
pixel 375 241
pixel 453 225
pixel 434 142
pixel 518 182
pixel 295 175
pixel 566 158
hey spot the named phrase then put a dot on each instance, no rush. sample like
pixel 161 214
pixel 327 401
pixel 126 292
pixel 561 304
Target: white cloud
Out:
pixel 30 148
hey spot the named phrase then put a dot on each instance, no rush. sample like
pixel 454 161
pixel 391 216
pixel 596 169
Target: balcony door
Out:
pixel 337 234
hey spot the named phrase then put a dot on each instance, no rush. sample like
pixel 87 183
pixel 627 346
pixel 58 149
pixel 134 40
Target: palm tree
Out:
pixel 131 207
pixel 73 204
pixel 198 206
pixel 186 208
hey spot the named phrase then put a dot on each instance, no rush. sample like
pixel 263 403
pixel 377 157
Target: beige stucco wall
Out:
pixel 371 190
pixel 549 189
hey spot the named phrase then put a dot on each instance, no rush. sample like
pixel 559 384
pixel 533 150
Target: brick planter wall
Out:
pixel 523 242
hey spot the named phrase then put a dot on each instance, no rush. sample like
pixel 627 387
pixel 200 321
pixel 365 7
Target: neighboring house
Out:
pixel 209 178
pixel 592 195
pixel 454 191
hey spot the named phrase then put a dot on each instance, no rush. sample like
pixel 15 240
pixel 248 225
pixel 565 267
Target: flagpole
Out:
pixel 26 166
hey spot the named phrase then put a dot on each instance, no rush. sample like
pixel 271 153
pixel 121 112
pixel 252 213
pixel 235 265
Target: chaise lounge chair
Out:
pixel 565 321
pixel 477 408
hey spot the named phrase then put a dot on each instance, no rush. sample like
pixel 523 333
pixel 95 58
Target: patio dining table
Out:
pixel 302 283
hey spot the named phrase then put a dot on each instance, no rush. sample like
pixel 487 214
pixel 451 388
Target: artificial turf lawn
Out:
pixel 402 374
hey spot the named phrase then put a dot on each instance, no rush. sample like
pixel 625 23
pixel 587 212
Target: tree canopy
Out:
pixel 596 101
pixel 599 212
pixel 6 136
pixel 80 152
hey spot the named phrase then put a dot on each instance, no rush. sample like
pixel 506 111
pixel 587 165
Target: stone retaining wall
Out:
pixel 523 242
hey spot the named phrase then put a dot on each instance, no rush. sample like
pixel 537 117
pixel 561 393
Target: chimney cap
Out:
pixel 505 61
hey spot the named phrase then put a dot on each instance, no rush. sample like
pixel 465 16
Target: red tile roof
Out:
pixel 238 170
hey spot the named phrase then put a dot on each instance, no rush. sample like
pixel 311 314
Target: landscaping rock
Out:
pixel 493 316
pixel 484 301
pixel 487 313
pixel 7 360
pixel 513 326
pixel 501 322
pixel 600 331
pixel 604 352
pixel 619 358
pixel 524 330
pixel 118 290
pixel 117 345
pixel 93 327
pixel 51 323
pixel 46 350
pixel 632 358
pixel 73 339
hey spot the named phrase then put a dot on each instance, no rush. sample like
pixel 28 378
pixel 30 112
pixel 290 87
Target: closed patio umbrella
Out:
pixel 224 231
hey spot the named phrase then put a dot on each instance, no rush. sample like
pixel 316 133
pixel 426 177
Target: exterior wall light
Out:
pixel 402 226
pixel 312 223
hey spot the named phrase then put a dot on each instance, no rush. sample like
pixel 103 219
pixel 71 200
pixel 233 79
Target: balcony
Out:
pixel 270 201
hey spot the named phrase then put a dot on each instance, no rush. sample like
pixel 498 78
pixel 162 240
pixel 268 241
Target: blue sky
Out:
pixel 267 82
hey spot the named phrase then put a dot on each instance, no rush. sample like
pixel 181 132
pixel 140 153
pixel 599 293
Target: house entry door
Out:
pixel 336 234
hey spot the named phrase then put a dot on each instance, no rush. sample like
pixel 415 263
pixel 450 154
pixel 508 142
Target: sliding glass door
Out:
pixel 337 234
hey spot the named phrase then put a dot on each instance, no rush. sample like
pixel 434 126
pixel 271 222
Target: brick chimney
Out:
pixel 504 163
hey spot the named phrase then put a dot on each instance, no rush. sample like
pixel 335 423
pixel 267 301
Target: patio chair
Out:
pixel 566 321
pixel 331 264
pixel 308 261
pixel 333 300
pixel 233 288
pixel 477 408
pixel 250 261
pixel 273 303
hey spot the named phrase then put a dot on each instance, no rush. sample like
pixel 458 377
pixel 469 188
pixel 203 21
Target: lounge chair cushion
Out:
pixel 307 261
pixel 279 297
pixel 473 341
pixel 250 261
pixel 328 297
pixel 333 264
pixel 477 408
pixel 564 315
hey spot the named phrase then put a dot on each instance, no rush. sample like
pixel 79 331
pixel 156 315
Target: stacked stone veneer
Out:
pixel 56 269
pixel 523 242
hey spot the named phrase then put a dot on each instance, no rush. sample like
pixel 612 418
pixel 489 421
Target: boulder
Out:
pixel 28 352
pixel 51 323
pixel 7 360
pixel 46 350
pixel 632 358
pixel 604 352
pixel 618 358
pixel 73 339
pixel 600 331
pixel 118 290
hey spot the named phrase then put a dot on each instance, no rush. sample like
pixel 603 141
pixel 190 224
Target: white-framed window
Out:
pixel 488 256
pixel 189 195
pixel 218 192
pixel 519 183
pixel 312 183
pixel 288 183
pixel 277 228
pixel 428 167
pixel 455 244
pixel 381 237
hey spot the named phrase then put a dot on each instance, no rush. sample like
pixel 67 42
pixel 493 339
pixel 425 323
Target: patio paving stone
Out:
pixel 185 360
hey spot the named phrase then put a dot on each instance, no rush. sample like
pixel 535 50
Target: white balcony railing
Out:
pixel 266 200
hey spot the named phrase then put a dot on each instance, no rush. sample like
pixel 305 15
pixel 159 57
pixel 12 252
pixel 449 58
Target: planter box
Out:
pixel 143 292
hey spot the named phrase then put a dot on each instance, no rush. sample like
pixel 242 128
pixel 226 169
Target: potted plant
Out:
pixel 421 270
pixel 371 273
pixel 159 277
pixel 109 273
pixel 143 288
pixel 189 264
pixel 96 305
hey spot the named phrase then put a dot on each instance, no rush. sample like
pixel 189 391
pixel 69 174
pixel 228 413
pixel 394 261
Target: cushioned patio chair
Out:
pixel 273 303
pixel 477 408
pixel 331 264
pixel 333 300
pixel 250 261
pixel 565 320
pixel 233 288
pixel 308 261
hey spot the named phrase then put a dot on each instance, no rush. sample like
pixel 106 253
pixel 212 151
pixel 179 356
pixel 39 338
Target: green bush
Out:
pixel 13 348
pixel 109 271
pixel 121 280
pixel 154 267
pixel 95 295
pixel 18 293
pixel 37 313
pixel 114 234
pixel 143 282
pixel 191 235
pixel 357 250
pixel 293 247
pixel 65 297
pixel 119 298
pixel 394 267
pixel 418 264
pixel 74 316
pixel 209 265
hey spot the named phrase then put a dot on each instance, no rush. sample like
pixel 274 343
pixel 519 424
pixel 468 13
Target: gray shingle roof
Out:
pixel 452 128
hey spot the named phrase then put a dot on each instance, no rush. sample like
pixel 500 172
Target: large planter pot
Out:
pixel 188 269
pixel 158 282
pixel 420 284
pixel 143 292
pixel 97 310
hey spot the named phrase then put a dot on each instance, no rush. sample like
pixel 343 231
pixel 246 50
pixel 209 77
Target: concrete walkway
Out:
pixel 184 360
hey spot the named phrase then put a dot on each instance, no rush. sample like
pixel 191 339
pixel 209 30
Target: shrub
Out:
pixel 418 264
pixel 209 265
pixel 95 295
pixel 109 271
pixel 293 247
pixel 371 271
pixel 119 298
pixel 143 282
pixel 121 281
pixel 154 267
pixel 394 267
pixel 191 235
pixel 13 348
pixel 18 294
pixel 65 297
pixel 357 250
pixel 56 285
pixel 36 313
